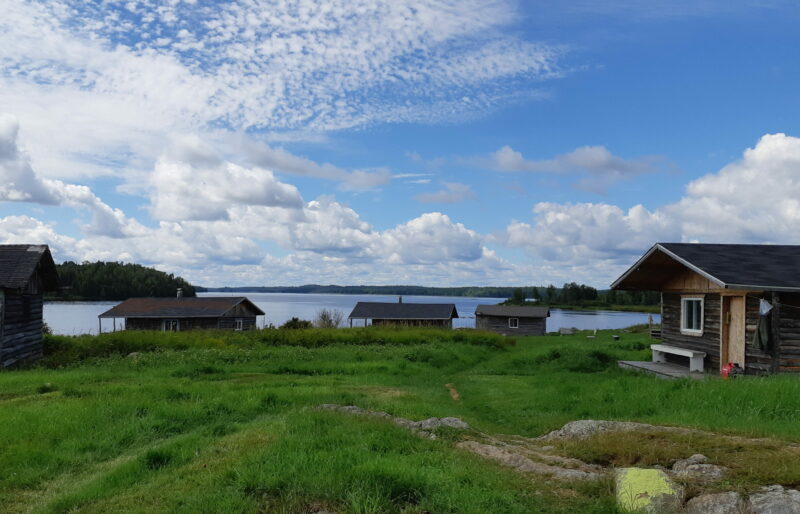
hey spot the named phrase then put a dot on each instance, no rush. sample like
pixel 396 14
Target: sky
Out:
pixel 430 142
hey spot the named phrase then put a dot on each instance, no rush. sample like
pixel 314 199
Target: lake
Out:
pixel 81 317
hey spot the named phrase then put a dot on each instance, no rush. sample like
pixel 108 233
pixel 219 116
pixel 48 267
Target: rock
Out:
pixel 509 458
pixel 774 499
pixel 696 467
pixel 584 428
pixel 719 503
pixel 647 490
pixel 433 423
pixel 422 428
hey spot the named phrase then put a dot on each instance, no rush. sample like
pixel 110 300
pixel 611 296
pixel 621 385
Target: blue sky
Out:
pixel 450 142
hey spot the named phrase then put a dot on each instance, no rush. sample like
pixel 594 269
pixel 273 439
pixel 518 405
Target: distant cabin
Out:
pixel 26 272
pixel 724 303
pixel 184 313
pixel 439 315
pixel 512 319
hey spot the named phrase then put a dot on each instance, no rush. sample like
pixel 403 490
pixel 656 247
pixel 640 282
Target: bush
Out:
pixel 329 318
pixel 297 323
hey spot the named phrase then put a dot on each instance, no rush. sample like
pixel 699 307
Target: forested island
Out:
pixel 115 281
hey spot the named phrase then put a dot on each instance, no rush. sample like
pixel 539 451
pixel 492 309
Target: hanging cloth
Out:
pixel 761 335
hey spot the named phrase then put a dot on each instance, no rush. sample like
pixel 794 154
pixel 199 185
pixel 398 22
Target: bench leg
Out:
pixel 659 356
pixel 696 364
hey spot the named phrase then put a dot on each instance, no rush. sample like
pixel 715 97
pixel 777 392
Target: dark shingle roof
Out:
pixel 737 266
pixel 19 262
pixel 205 307
pixel 513 311
pixel 382 310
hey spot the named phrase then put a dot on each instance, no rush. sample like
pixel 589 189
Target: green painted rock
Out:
pixel 647 490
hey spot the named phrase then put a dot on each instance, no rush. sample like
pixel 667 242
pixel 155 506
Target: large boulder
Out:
pixel 647 490
pixel 717 503
pixel 774 499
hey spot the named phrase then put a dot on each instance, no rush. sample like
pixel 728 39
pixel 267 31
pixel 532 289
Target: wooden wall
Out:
pixel 21 328
pixel 225 323
pixel 788 355
pixel 430 323
pixel 499 324
pixel 708 342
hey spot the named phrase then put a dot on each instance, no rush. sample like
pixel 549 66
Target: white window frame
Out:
pixel 685 300
pixel 168 323
pixel 515 324
pixel 238 324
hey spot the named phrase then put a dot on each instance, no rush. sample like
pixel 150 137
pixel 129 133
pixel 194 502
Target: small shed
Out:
pixel 724 303
pixel 511 320
pixel 26 272
pixel 184 313
pixel 439 315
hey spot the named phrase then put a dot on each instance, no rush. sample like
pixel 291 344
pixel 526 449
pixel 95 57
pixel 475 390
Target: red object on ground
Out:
pixel 731 370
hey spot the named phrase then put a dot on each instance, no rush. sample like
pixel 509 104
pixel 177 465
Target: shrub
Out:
pixel 329 318
pixel 296 323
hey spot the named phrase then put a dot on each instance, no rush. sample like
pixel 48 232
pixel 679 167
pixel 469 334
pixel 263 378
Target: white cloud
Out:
pixel 753 200
pixel 429 239
pixel 100 84
pixel 453 192
pixel 598 167
pixel 19 182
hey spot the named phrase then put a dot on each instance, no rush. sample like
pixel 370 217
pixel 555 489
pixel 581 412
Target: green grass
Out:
pixel 226 422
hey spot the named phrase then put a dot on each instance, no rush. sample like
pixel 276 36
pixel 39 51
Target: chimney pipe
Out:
pixel 180 293
pixel 399 299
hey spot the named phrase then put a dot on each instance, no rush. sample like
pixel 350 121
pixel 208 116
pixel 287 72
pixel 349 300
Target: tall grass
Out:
pixel 64 350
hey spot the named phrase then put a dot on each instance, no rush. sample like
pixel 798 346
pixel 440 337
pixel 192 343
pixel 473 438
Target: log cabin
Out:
pixel 512 320
pixel 182 313
pixel 436 315
pixel 724 303
pixel 26 272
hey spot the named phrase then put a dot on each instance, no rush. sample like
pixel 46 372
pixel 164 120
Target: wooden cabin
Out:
pixel 437 315
pixel 26 272
pixel 724 303
pixel 512 320
pixel 182 313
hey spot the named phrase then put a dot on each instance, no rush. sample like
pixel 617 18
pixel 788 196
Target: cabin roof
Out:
pixel 512 311
pixel 18 263
pixel 183 307
pixel 730 266
pixel 385 310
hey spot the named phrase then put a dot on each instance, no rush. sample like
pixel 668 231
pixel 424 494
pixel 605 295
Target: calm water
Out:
pixel 81 317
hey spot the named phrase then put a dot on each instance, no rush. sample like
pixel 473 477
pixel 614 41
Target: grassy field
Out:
pixel 213 422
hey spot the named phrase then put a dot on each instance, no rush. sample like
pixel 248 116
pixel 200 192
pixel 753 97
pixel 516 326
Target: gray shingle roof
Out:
pixel 383 310
pixel 512 311
pixel 19 262
pixel 185 307
pixel 736 266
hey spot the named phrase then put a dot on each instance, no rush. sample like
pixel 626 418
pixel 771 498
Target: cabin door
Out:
pixel 733 331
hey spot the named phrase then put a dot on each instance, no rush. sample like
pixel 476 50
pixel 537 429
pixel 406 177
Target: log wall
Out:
pixel 21 328
pixel 499 324
pixel 226 323
pixel 788 357
pixel 708 342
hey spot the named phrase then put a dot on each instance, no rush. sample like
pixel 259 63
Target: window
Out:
pixel 513 322
pixel 692 316
pixel 237 324
pixel 171 325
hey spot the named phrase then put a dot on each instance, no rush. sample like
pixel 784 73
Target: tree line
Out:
pixel 576 294
pixel 115 281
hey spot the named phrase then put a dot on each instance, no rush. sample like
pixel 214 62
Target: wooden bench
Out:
pixel 695 358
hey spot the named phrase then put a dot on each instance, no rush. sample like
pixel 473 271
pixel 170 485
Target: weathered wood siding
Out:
pixel 708 342
pixel 430 323
pixel 21 328
pixel 226 323
pixel 788 355
pixel 499 324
